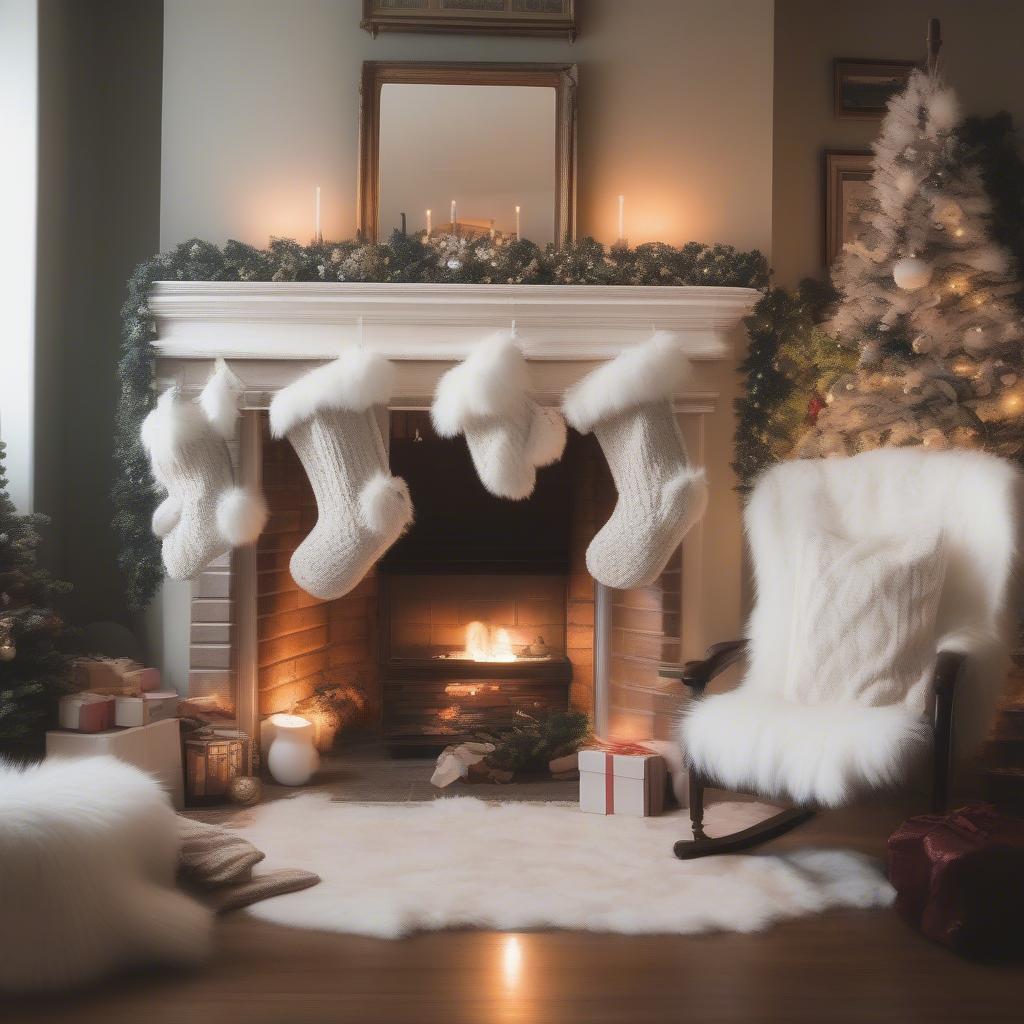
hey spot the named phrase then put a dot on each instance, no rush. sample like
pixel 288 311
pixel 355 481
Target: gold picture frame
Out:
pixel 562 78
pixel 847 174
pixel 474 17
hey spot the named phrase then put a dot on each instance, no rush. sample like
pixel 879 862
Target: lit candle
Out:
pixel 454 216
pixel 517 223
pixel 319 237
pixel 428 223
pixel 622 218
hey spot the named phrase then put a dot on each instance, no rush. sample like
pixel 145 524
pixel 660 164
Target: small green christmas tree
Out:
pixel 33 670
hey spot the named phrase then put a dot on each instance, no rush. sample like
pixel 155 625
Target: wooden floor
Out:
pixel 849 966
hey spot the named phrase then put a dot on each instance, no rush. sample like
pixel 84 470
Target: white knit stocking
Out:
pixel 328 417
pixel 204 514
pixel 627 404
pixel 487 398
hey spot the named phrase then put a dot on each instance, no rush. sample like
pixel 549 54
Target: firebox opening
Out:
pixel 475 599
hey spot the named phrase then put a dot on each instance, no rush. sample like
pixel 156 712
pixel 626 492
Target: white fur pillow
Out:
pixel 863 625
pixel 88 859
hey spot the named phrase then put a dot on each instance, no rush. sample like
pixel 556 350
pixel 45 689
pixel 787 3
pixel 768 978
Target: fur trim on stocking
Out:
pixel 171 425
pixel 648 373
pixel 490 382
pixel 357 380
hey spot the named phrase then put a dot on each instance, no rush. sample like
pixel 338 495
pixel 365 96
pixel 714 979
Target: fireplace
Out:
pixel 482 611
pixel 487 582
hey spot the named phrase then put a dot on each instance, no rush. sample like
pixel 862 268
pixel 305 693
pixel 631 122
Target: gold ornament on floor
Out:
pixel 244 790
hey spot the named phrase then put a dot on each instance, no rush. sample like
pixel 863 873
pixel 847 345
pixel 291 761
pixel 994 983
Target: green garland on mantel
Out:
pixel 443 259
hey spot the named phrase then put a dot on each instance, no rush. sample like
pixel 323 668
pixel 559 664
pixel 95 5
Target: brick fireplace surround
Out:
pixel 258 640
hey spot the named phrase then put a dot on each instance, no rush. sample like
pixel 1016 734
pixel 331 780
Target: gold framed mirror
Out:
pixel 468 147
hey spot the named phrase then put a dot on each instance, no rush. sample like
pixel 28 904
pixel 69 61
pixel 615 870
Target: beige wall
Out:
pixel 981 56
pixel 261 104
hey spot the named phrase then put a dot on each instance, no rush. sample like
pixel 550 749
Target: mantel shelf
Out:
pixel 436 322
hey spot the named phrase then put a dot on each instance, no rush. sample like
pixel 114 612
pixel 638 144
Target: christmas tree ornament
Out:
pixel 627 403
pixel 330 418
pixel 204 514
pixel 911 273
pixel 487 398
pixel 870 354
pixel 245 790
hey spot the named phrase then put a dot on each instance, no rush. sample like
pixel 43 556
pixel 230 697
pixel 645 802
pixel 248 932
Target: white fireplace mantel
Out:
pixel 296 321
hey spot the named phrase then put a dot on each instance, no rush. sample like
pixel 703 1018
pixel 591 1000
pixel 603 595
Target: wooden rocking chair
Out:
pixel 973 501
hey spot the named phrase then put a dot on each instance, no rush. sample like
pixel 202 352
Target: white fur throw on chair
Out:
pixel 88 858
pixel 865 568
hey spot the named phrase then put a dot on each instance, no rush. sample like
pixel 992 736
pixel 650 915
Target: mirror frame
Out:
pixel 562 78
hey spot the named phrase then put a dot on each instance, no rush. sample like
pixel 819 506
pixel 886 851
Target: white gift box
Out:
pixel 632 784
pixel 145 710
pixel 155 749
pixel 86 712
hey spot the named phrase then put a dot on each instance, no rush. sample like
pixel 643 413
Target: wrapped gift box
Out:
pixel 146 709
pixel 147 679
pixel 86 712
pixel 117 676
pixel 632 784
pixel 155 749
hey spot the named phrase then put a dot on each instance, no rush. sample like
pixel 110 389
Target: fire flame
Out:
pixel 485 644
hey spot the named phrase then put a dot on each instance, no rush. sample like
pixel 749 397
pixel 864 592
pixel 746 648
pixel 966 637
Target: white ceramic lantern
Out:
pixel 292 759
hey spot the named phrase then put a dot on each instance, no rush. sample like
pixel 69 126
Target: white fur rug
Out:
pixel 392 869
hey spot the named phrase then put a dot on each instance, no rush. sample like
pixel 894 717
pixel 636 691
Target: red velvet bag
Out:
pixel 959 878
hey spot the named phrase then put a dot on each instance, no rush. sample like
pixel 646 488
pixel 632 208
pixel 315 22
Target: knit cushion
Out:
pixel 864 619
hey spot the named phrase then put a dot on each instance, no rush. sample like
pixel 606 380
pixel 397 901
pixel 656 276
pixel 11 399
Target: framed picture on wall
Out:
pixel 847 183
pixel 863 87
pixel 506 17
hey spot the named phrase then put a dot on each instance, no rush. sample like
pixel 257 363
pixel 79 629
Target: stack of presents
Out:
pixel 118 707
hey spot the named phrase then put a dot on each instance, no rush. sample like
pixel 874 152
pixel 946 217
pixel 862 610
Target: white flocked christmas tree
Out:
pixel 927 297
